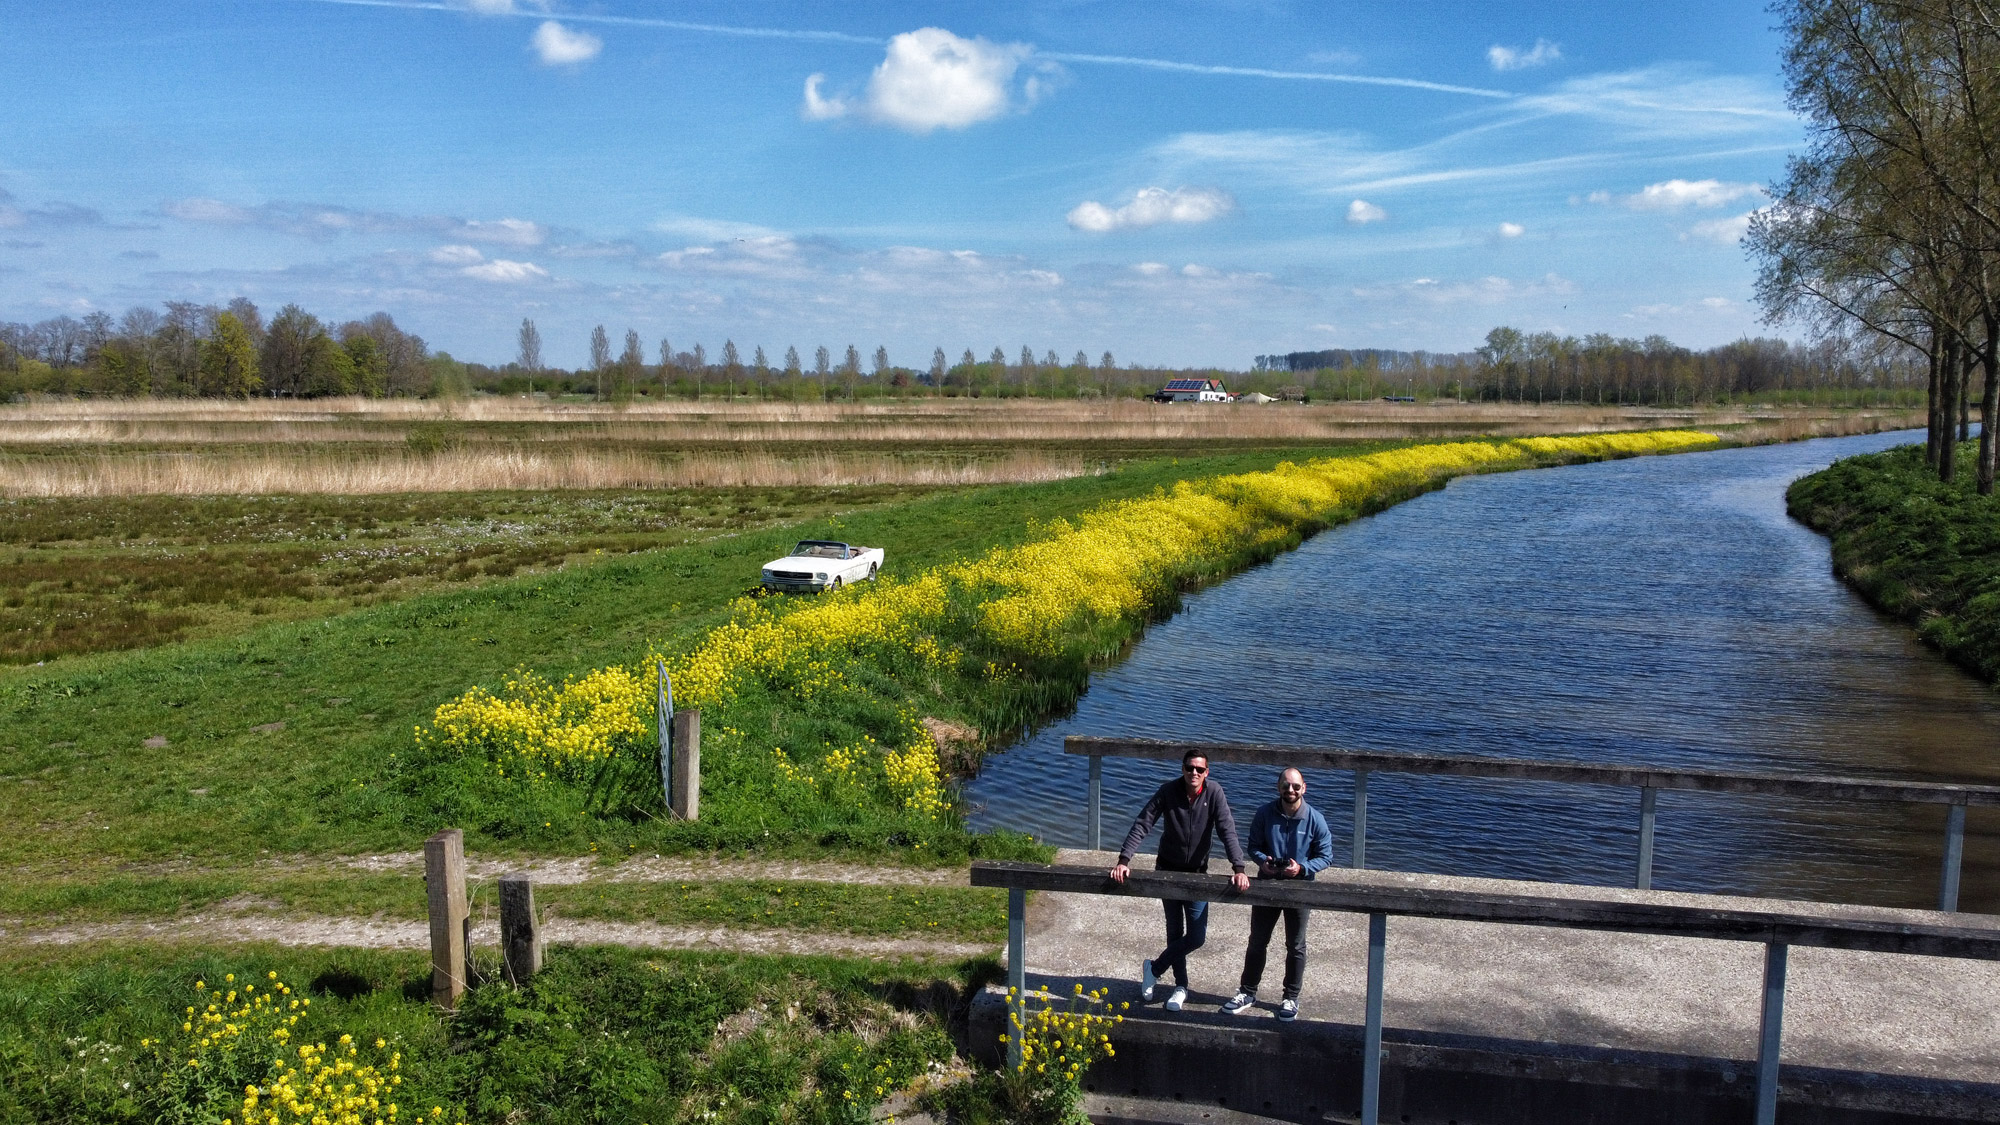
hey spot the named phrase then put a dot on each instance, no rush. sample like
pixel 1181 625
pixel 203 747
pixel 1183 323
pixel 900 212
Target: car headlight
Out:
pixel 820 577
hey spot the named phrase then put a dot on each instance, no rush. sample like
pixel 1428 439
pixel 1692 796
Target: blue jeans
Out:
pixel 1187 931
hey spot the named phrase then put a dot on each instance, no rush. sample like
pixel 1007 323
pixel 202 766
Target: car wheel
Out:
pixel 871 572
pixel 836 582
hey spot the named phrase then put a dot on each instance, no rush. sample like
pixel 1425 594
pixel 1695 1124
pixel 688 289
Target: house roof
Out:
pixel 1193 385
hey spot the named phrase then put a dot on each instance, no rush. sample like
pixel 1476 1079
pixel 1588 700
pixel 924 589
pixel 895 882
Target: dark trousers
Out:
pixel 1263 920
pixel 1187 931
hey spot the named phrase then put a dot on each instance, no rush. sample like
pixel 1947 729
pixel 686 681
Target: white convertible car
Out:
pixel 820 564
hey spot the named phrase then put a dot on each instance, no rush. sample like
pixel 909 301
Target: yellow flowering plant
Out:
pixel 1059 1044
pixel 235 1059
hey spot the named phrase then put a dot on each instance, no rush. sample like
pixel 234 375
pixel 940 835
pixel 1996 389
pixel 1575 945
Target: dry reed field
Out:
pixel 371 446
pixel 498 469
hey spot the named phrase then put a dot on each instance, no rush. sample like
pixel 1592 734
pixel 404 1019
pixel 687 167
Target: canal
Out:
pixel 1654 611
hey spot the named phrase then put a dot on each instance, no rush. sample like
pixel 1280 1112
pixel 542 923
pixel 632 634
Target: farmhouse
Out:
pixel 1192 390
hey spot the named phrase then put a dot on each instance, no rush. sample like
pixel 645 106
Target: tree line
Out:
pixel 1886 228
pixel 233 351
pixel 216 351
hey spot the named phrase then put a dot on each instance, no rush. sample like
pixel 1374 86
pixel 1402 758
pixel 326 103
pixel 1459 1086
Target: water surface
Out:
pixel 1655 611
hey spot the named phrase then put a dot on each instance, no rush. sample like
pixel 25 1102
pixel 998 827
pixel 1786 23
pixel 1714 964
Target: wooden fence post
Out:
pixel 687 764
pixel 444 883
pixel 520 937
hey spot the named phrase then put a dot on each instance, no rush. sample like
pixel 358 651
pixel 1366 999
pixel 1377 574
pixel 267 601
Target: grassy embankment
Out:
pixel 604 1035
pixel 1923 550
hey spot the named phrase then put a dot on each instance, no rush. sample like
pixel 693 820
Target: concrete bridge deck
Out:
pixel 1933 1017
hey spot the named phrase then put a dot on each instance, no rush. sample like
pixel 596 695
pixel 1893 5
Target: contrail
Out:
pixel 844 37
pixel 1259 72
pixel 623 21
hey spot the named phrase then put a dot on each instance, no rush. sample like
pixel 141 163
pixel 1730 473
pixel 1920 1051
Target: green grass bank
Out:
pixel 95 1036
pixel 1916 547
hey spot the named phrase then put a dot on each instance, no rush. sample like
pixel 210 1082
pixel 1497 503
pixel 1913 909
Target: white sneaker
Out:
pixel 1239 1002
pixel 1146 980
pixel 1178 1000
pixel 1288 1011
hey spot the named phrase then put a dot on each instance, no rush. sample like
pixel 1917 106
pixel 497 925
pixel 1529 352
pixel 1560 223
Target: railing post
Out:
pixel 1371 1034
pixel 1647 795
pixel 1771 1034
pixel 687 765
pixel 1017 972
pixel 1954 857
pixel 520 934
pixel 444 887
pixel 1096 802
pixel 1360 819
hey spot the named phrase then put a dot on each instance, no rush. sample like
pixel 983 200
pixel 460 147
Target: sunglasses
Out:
pixel 1293 788
pixel 1194 769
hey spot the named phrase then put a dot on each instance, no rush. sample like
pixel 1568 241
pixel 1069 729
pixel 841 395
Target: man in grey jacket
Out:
pixel 1190 810
pixel 1289 839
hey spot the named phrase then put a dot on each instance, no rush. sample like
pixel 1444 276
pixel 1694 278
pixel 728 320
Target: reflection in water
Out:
pixel 1661 610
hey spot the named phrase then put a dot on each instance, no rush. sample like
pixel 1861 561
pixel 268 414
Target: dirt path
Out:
pixel 373 933
pixel 669 869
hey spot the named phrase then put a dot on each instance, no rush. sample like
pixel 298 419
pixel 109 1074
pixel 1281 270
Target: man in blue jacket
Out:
pixel 1191 810
pixel 1289 839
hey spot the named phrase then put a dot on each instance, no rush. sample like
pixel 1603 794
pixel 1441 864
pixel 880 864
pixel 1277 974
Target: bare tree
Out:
pixel 792 360
pixel 938 367
pixel 531 348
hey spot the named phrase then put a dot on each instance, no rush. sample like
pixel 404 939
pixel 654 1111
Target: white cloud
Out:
pixel 818 108
pixel 457 256
pixel 1716 302
pixel 1512 230
pixel 559 46
pixel 500 269
pixel 1515 58
pixel 1192 270
pixel 1482 291
pixel 932 79
pixel 1150 269
pixel 1153 206
pixel 504 232
pixel 490 7
pixel 199 210
pixel 1362 211
pixel 1674 194
pixel 1726 232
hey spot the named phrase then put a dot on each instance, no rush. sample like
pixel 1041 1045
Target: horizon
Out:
pixel 1184 188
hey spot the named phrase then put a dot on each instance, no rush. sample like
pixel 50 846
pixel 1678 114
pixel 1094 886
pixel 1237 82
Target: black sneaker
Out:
pixel 1289 1010
pixel 1239 1002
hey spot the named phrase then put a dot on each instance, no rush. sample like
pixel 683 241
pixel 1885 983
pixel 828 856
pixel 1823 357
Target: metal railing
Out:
pixel 1381 894
pixel 1648 781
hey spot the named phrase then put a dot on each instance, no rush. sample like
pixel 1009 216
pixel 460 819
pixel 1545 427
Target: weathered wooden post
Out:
pixel 520 937
pixel 451 948
pixel 685 799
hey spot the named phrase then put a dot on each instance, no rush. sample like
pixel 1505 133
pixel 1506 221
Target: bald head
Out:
pixel 1291 789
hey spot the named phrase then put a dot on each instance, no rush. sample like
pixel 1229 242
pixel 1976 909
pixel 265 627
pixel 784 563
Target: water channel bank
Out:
pixel 1921 549
pixel 1658 611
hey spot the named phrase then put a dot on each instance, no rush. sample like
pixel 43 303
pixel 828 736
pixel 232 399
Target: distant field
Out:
pixel 191 447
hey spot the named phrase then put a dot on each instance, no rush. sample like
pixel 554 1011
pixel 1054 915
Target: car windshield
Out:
pixel 815 550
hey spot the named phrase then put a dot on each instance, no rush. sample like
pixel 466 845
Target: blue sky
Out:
pixel 1176 183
